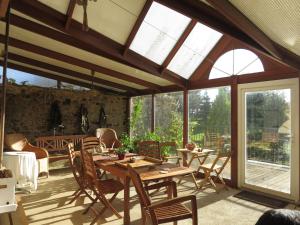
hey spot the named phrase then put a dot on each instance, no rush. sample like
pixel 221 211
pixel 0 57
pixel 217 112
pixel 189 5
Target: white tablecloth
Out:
pixel 24 167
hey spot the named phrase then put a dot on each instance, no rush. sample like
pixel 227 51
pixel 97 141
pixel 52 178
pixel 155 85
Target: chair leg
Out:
pixel 109 205
pixel 76 196
pixel 144 218
pixel 76 192
pixel 110 200
pixel 90 206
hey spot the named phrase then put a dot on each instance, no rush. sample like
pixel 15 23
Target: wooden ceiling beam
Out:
pixel 68 72
pixel 69 15
pixel 3 7
pixel 225 8
pixel 178 44
pixel 137 25
pixel 77 62
pixel 92 40
pixel 211 58
pixel 58 78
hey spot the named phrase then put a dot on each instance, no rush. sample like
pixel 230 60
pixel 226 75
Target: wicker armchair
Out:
pixel 18 142
pixel 109 137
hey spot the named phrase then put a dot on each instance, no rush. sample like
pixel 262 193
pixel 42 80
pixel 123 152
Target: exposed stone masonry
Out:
pixel 28 110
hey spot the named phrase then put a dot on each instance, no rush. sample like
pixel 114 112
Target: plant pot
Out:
pixel 121 156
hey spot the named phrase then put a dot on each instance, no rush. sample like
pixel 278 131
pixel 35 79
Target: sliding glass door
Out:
pixel 268 118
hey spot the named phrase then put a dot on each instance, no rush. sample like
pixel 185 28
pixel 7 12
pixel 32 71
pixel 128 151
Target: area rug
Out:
pixel 262 200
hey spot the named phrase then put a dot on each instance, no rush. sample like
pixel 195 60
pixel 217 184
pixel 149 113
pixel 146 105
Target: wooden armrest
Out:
pixel 39 152
pixel 172 201
pixel 169 183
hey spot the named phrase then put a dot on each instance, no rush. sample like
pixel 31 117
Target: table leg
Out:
pixel 126 200
pixel 10 219
pixel 184 159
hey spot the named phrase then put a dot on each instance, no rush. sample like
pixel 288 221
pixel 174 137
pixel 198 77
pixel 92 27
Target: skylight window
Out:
pixel 236 62
pixel 195 48
pixel 159 32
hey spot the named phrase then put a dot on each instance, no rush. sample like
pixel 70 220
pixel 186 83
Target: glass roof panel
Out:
pixel 159 32
pixel 193 51
pixel 236 62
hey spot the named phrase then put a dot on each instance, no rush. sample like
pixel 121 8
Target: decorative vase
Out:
pixel 190 146
pixel 121 156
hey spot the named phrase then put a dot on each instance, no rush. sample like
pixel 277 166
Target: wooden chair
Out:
pixel 77 171
pixel 216 168
pixel 100 187
pixel 169 210
pixel 172 147
pixel 89 143
pixel 149 148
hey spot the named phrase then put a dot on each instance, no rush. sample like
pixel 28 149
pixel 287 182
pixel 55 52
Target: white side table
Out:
pixel 24 167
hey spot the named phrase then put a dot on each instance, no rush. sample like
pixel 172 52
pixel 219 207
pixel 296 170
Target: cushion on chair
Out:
pixel 15 142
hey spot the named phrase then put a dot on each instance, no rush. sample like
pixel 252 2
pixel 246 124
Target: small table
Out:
pixel 153 174
pixel 24 167
pixel 195 155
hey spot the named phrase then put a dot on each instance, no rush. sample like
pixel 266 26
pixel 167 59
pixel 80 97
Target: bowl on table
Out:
pixel 190 146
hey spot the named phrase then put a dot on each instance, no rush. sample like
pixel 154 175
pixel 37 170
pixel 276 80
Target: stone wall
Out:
pixel 28 110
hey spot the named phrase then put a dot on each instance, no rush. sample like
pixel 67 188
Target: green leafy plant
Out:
pixel 127 142
pixel 121 150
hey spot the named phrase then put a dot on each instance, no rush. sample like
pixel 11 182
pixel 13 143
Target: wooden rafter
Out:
pixel 69 14
pixel 137 25
pixel 178 44
pixel 3 7
pixel 91 39
pixel 68 72
pixel 243 23
pixel 56 77
pixel 211 58
pixel 77 62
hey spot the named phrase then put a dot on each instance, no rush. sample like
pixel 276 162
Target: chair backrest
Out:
pixel 89 143
pixel 137 182
pixel 88 167
pixel 108 136
pixel 149 148
pixel 223 158
pixel 15 141
pixel 75 162
pixel 167 147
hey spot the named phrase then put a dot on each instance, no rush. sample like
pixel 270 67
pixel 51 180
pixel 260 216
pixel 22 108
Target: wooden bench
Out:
pixel 57 145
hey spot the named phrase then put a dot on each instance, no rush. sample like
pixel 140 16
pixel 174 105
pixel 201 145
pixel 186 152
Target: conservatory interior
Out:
pixel 149 111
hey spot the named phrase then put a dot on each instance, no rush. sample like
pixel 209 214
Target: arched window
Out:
pixel 236 62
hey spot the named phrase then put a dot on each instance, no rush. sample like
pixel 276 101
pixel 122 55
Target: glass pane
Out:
pixel 268 139
pixel 236 62
pixel 242 58
pixel 254 67
pixel 140 117
pixel 159 32
pixel 195 48
pixel 169 116
pixel 22 78
pixel 210 121
pixel 68 86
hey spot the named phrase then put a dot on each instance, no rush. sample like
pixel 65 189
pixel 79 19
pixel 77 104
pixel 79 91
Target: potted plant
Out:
pixel 121 152
pixel 127 143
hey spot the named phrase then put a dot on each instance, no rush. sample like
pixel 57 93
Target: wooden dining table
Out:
pixel 147 173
